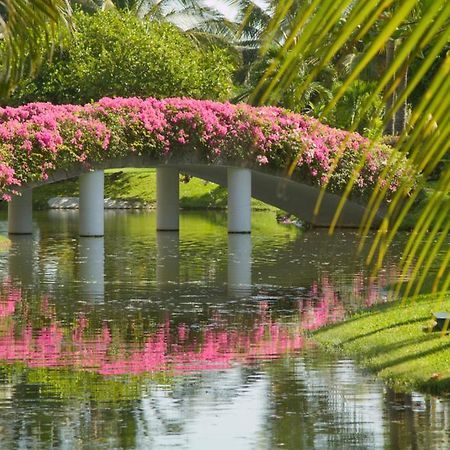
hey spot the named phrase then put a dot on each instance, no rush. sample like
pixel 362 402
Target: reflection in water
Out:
pixel 239 265
pixel 92 268
pixel 21 259
pixel 168 257
pixel 40 340
pixel 151 340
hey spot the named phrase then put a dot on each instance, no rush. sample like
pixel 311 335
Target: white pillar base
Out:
pixel 20 213
pixel 92 204
pixel 167 199
pixel 239 198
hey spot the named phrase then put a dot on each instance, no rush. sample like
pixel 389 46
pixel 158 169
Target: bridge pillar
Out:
pixel 20 213
pixel 239 198
pixel 167 199
pixel 92 204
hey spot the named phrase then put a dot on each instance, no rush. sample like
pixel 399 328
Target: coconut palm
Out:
pixel 188 15
pixel 25 27
pixel 325 28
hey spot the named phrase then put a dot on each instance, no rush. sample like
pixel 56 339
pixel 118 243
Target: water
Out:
pixel 192 341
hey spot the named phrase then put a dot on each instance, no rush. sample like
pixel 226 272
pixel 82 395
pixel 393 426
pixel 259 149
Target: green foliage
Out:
pixel 410 34
pixel 26 27
pixel 317 94
pixel 114 53
pixel 350 111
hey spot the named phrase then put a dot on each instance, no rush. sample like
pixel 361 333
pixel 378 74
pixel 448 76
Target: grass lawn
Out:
pixel 389 340
pixel 140 184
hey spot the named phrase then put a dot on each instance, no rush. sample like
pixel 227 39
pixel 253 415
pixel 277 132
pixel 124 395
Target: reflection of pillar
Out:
pixel 21 259
pixel 168 258
pixel 92 203
pixel 92 268
pixel 167 199
pixel 20 213
pixel 239 264
pixel 239 198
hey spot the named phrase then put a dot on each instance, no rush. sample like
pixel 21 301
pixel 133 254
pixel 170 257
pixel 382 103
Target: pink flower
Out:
pixel 66 135
pixel 262 159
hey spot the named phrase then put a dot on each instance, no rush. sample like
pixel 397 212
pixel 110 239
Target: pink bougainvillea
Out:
pixel 38 138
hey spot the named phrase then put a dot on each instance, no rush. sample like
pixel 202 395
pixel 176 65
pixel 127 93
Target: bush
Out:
pixel 113 53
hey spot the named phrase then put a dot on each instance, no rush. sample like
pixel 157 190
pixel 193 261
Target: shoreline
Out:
pixel 392 341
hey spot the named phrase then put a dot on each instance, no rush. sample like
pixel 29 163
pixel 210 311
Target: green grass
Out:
pixel 140 185
pixel 390 340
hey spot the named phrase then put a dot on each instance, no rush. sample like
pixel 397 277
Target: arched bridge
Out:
pixel 246 149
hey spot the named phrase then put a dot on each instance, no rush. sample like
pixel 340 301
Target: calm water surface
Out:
pixel 192 340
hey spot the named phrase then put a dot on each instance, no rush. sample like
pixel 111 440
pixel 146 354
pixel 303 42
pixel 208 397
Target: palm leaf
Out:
pixel 25 27
pixel 327 30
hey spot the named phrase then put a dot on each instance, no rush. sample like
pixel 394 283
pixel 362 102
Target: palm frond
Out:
pixel 330 30
pixel 25 27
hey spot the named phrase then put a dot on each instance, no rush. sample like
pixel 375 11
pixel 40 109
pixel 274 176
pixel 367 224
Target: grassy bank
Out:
pixel 140 185
pixel 390 341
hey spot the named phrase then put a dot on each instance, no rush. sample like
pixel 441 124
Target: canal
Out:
pixel 193 340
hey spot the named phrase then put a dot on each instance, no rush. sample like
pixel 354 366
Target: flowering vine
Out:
pixel 38 138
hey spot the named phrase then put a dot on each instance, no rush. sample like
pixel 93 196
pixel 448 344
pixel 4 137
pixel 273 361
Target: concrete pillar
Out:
pixel 239 265
pixel 167 199
pixel 168 258
pixel 92 204
pixel 92 268
pixel 239 197
pixel 20 213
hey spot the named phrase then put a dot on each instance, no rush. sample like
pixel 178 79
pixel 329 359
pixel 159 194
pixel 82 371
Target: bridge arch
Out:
pixel 274 188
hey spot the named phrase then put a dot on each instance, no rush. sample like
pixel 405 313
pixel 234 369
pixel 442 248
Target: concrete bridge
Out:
pixel 242 182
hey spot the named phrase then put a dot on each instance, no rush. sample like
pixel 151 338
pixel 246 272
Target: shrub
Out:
pixel 113 53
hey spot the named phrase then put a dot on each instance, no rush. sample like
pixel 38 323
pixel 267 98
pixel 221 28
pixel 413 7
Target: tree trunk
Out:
pixel 401 116
pixel 390 125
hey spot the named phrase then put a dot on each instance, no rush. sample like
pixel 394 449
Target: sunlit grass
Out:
pixel 393 341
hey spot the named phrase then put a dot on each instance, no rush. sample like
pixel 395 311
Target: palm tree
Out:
pixel 326 29
pixel 188 15
pixel 25 27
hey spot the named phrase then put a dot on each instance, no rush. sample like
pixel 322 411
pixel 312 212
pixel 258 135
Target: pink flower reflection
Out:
pixel 38 339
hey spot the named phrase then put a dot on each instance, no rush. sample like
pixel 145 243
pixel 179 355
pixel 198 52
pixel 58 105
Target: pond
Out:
pixel 192 340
